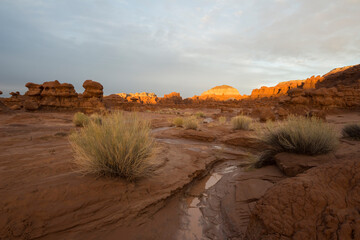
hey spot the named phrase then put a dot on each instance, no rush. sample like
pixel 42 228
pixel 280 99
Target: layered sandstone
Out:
pixel 54 94
pixel 144 97
pixel 279 90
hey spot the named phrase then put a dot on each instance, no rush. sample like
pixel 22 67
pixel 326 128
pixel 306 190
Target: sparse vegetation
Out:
pixel 352 131
pixel 222 120
pixel 96 118
pixel 241 122
pixel 191 123
pixel 120 146
pixel 309 136
pixel 178 122
pixel 200 115
pixel 80 119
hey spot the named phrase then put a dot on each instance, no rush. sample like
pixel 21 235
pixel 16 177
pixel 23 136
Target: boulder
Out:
pixel 321 204
pixel 243 139
pixel 293 164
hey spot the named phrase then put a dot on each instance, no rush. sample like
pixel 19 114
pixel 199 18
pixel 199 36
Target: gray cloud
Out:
pixel 163 46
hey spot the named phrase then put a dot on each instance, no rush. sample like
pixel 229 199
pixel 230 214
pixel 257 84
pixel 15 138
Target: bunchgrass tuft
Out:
pixel 200 115
pixel 241 122
pixel 352 131
pixel 190 123
pixel 96 118
pixel 119 146
pixel 80 119
pixel 222 120
pixel 308 136
pixel 178 122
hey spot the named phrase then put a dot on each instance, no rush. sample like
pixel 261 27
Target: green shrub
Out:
pixel 120 146
pixel 178 122
pixel 80 119
pixel 308 136
pixel 222 120
pixel 241 122
pixel 191 123
pixel 352 131
pixel 200 115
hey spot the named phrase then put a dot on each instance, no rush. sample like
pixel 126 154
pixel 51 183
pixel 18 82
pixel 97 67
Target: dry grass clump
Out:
pixel 119 146
pixel 200 115
pixel 80 119
pixel 96 118
pixel 222 120
pixel 309 136
pixel 178 122
pixel 241 122
pixel 352 131
pixel 190 123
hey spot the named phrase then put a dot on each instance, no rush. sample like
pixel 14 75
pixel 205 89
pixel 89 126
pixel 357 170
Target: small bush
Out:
pixel 120 146
pixel 190 123
pixel 200 115
pixel 80 119
pixel 309 136
pixel 241 122
pixel 178 122
pixel 222 120
pixel 351 131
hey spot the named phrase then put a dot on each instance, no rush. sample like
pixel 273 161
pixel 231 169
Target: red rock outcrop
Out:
pixel 144 97
pixel 338 88
pixel 171 98
pixel 323 203
pixel 279 90
pixel 220 93
pixel 54 94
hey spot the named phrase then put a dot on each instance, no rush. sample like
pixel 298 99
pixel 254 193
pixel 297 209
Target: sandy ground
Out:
pixel 198 188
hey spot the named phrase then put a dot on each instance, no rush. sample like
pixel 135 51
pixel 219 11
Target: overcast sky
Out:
pixel 186 46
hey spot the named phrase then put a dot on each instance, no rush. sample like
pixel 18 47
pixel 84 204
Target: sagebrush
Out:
pixel 119 146
pixel 309 136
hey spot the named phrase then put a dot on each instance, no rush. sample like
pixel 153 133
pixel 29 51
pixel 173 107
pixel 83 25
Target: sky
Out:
pixel 187 46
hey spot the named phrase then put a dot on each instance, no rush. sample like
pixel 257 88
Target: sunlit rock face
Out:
pixel 279 90
pixel 144 97
pixel 221 91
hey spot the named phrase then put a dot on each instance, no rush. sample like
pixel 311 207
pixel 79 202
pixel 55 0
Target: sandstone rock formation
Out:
pixel 338 88
pixel 171 98
pixel 221 93
pixel 323 203
pixel 144 97
pixel 54 94
pixel 279 90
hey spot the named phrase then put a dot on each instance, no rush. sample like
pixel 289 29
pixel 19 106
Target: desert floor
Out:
pixel 201 187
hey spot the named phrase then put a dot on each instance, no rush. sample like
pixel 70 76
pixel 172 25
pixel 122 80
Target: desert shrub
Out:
pixel 80 119
pixel 222 120
pixel 309 136
pixel 120 146
pixel 191 123
pixel 96 118
pixel 352 131
pixel 178 122
pixel 241 122
pixel 200 115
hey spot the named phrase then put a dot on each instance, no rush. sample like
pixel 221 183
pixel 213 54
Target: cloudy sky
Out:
pixel 186 46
